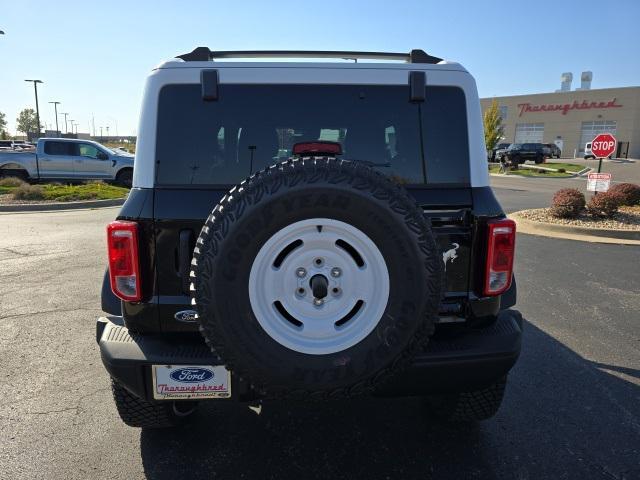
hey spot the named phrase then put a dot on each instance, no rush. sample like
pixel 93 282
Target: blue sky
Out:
pixel 94 56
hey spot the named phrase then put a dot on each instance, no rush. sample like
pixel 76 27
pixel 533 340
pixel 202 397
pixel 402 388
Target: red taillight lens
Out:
pixel 317 148
pixel 124 269
pixel 501 244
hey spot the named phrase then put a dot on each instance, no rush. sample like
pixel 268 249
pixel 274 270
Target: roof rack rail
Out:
pixel 203 54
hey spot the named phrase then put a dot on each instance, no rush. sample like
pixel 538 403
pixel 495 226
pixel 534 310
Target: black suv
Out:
pixel 554 150
pixel 519 153
pixel 373 260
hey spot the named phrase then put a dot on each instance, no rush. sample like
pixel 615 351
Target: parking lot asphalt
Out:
pixel 572 408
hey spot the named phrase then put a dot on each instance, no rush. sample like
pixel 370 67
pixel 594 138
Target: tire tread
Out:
pixel 136 412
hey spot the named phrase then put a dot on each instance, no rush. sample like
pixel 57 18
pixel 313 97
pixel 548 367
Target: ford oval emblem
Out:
pixel 188 316
pixel 191 375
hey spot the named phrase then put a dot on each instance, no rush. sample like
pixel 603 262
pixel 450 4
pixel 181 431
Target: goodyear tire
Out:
pixel 316 278
pixel 137 412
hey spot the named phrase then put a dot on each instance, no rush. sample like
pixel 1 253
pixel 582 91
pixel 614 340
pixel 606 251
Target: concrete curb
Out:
pixel 570 175
pixel 44 207
pixel 597 235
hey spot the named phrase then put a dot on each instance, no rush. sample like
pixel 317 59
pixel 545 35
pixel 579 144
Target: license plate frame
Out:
pixel 190 382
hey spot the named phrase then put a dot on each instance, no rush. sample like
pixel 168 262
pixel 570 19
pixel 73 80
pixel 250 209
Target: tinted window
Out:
pixel 446 145
pixel 60 148
pixel 252 126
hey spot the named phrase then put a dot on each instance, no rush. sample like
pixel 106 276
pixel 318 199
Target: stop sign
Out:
pixel 603 145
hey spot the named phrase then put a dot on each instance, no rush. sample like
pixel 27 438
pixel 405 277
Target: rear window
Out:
pixel 59 148
pixel 251 127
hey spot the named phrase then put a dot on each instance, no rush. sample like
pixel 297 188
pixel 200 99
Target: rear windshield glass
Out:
pixel 251 127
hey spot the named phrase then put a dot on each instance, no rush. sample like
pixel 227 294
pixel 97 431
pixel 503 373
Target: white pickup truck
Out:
pixel 68 159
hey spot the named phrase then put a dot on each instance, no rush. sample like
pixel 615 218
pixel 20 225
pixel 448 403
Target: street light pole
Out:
pixel 35 88
pixel 65 121
pixel 55 107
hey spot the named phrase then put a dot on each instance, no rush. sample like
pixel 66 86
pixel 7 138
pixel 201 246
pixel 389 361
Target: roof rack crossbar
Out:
pixel 203 54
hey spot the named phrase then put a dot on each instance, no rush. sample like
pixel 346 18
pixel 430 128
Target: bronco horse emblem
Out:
pixel 450 255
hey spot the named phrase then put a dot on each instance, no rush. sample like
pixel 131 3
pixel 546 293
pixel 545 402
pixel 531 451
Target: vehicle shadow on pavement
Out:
pixel 563 417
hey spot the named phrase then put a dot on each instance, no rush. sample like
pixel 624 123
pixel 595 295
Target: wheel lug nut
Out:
pixel 318 302
pixel 301 272
pixel 336 272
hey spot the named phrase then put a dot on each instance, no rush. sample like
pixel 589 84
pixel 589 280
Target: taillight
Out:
pixel 124 268
pixel 501 245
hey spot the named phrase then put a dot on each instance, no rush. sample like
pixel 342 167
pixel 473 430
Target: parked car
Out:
pixel 7 145
pixel 493 152
pixel 519 153
pixel 588 154
pixel 321 276
pixel 68 159
pixel 554 150
pixel 22 145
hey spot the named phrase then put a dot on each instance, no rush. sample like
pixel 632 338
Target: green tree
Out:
pixel 27 121
pixel 493 128
pixel 3 126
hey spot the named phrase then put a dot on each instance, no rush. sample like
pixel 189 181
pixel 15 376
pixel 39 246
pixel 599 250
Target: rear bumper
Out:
pixel 449 363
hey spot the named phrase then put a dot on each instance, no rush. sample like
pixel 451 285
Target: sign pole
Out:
pixel 599 168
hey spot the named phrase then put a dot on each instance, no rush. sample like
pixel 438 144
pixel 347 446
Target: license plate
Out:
pixel 173 382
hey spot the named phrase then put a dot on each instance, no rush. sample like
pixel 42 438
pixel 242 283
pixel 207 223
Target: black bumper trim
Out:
pixel 462 362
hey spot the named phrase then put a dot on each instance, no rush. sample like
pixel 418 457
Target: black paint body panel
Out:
pixel 170 220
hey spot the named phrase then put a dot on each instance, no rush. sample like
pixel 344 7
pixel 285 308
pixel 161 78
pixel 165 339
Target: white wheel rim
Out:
pixel 294 318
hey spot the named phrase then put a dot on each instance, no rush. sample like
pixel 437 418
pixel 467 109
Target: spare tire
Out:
pixel 316 277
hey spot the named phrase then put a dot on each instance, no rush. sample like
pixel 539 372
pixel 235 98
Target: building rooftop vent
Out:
pixel 585 81
pixel 565 82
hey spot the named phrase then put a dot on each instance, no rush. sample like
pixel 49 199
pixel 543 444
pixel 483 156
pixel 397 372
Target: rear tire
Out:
pixel 137 412
pixel 467 407
pixel 539 159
